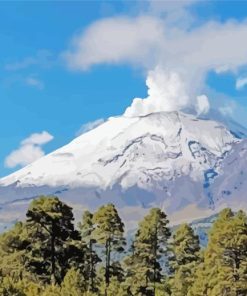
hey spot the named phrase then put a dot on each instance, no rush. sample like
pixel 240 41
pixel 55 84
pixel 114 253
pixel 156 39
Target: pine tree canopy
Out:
pixel 46 255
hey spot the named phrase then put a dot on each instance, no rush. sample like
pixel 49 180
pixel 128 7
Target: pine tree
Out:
pixel 108 233
pixel 13 244
pixel 224 270
pixel 86 229
pixel 73 284
pixel 150 244
pixel 51 290
pixel 51 229
pixel 114 289
pixel 32 288
pixel 185 248
pixel 11 287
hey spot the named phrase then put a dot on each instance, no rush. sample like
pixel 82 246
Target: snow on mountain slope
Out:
pixel 166 159
pixel 231 185
pixel 167 143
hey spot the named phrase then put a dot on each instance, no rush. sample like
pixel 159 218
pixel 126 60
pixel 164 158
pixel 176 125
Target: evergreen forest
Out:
pixel 49 254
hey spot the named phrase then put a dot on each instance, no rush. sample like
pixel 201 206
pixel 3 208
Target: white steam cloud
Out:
pixel 176 55
pixel 202 105
pixel 166 92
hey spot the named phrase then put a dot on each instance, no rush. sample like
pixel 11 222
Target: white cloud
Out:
pixel 30 150
pixel 42 58
pixel 241 83
pixel 169 6
pixel 25 63
pixel 38 139
pixel 175 12
pixel 116 40
pixel 222 69
pixel 153 42
pixel 23 156
pixel 35 82
pixel 89 126
pixel 228 109
pixel 149 41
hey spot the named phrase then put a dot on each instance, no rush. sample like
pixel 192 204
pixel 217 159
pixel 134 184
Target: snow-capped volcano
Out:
pixel 167 159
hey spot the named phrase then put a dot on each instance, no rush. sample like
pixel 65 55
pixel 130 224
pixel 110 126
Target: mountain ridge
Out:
pixel 165 159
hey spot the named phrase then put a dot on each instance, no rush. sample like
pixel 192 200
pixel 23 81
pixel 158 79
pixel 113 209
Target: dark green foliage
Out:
pixel 51 232
pixel 13 245
pixel 47 256
pixel 150 244
pixel 91 257
pixel 224 267
pixel 186 257
pixel 73 284
pixel 9 287
pixel 108 233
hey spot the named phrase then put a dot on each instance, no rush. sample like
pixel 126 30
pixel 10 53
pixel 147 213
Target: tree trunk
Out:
pixel 155 259
pixel 107 263
pixel 53 277
pixel 91 266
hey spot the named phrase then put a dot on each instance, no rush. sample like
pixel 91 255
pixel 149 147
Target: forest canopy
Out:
pixel 48 255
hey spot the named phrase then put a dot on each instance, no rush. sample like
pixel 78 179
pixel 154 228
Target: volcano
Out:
pixel 190 167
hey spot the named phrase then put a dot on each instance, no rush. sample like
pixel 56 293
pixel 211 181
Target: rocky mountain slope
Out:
pixel 188 166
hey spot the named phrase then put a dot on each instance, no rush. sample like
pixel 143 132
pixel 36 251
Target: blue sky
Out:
pixel 39 91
